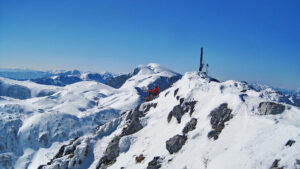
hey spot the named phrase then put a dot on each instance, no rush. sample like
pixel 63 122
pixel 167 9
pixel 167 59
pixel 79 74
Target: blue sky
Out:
pixel 254 40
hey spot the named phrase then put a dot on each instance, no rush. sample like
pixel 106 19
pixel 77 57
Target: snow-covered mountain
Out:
pixel 287 96
pixel 36 120
pixel 196 122
pixel 71 77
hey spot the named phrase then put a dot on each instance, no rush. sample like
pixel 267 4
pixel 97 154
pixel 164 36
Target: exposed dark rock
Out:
pixel 43 139
pixel 242 97
pixel 190 106
pixel 213 134
pixel 155 163
pixel 134 124
pixel 290 143
pixel 111 153
pixel 177 112
pixel 181 100
pixel 60 152
pixel 243 91
pixel 136 113
pixel 275 164
pixel 133 127
pixel 191 125
pixel 69 150
pixel 140 158
pixel 177 97
pixel 176 91
pixel 148 106
pixel 175 143
pixel 167 93
pixel 219 116
pixel 210 79
pixel 266 108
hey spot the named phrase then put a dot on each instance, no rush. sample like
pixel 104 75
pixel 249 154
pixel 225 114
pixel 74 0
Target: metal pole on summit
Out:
pixel 201 60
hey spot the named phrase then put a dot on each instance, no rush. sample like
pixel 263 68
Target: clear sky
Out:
pixel 251 40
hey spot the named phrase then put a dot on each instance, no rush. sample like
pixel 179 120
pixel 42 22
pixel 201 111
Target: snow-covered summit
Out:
pixel 154 68
pixel 196 123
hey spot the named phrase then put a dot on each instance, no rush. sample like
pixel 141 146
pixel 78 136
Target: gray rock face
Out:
pixel 134 121
pixel 219 116
pixel 111 153
pixel 76 152
pixel 175 143
pixel 14 91
pixel 266 108
pixel 177 112
pixel 155 163
pixel 191 125
pixel 133 127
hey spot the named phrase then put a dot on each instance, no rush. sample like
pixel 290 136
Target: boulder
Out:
pixel 175 143
pixel 133 127
pixel 266 108
pixel 155 163
pixel 177 112
pixel 191 125
pixel 219 116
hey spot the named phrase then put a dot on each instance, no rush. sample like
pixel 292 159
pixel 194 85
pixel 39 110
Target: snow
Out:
pixel 249 140
pixel 42 124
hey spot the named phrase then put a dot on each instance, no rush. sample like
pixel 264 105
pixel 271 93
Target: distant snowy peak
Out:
pixel 154 68
pixel 144 77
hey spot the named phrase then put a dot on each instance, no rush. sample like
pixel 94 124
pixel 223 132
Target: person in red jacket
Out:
pixel 153 92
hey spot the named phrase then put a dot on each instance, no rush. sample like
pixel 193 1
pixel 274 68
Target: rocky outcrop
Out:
pixel 179 110
pixel 275 164
pixel 76 152
pixel 266 108
pixel 111 153
pixel 133 127
pixel 290 143
pixel 175 143
pixel 191 125
pixel 155 163
pixel 219 116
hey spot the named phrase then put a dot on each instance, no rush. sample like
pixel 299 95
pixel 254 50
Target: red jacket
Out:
pixel 155 91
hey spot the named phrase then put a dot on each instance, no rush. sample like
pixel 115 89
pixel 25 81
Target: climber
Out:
pixel 153 93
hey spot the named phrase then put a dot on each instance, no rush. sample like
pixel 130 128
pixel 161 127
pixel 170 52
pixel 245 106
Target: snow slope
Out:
pixel 236 127
pixel 34 126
